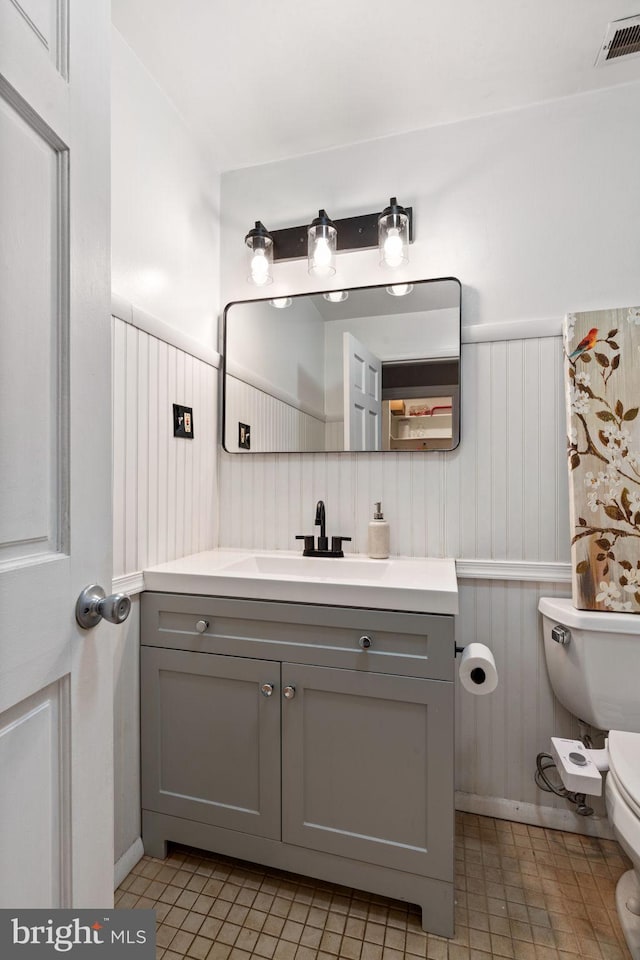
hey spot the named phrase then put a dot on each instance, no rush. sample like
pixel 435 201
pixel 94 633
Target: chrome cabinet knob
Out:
pixel 365 642
pixel 289 692
pixel 202 625
pixel 93 605
pixel 266 689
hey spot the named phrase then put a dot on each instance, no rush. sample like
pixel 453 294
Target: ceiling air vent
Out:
pixel 622 39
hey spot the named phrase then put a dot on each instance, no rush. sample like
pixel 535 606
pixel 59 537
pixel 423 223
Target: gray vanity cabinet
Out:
pixel 270 732
pixel 366 773
pixel 211 748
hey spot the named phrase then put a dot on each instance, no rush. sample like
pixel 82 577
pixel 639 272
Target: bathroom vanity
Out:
pixel 314 737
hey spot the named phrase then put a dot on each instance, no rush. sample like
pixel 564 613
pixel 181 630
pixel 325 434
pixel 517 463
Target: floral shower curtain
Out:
pixel 602 376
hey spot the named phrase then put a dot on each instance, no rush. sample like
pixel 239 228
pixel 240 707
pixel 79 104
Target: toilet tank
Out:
pixel 596 674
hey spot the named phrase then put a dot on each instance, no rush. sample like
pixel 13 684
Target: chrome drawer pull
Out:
pixel 266 689
pixel 365 642
pixel 289 692
pixel 202 625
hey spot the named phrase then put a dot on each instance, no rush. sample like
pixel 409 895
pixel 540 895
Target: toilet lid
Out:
pixel 624 761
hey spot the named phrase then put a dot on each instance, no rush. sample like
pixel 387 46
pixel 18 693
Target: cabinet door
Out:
pixel 211 739
pixel 368 767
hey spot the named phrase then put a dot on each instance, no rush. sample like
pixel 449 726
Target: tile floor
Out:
pixel 522 892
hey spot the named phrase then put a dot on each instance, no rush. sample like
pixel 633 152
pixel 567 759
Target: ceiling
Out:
pixel 261 80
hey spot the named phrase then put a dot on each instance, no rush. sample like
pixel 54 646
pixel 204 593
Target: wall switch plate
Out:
pixel 244 436
pixel 182 421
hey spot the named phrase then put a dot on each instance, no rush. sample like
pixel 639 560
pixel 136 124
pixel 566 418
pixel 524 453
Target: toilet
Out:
pixel 593 661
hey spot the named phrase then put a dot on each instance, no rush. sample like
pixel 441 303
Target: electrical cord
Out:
pixel 544 761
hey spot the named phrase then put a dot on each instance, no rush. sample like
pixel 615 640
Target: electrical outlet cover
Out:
pixel 182 421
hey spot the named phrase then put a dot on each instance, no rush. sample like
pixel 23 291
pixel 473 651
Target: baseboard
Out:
pixel 127 862
pixel 550 817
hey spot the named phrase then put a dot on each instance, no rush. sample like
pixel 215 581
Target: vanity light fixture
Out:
pixel 391 231
pixel 281 303
pixel 400 289
pixel 336 296
pixel 260 244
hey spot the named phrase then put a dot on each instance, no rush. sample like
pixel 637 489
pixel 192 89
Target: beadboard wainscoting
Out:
pixel 163 487
pixel 499 736
pixel 503 494
pixel 164 507
pixel 275 424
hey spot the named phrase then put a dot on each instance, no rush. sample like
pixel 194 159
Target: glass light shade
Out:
pixel 260 255
pixel 321 246
pixel 400 289
pixel 393 235
pixel 336 296
pixel 280 303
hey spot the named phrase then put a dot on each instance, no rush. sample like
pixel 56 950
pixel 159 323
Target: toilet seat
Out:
pixel 624 764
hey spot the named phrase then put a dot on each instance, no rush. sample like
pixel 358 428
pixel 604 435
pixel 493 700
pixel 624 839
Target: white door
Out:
pixel 56 766
pixel 362 396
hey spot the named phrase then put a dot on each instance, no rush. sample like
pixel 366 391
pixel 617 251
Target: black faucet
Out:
pixel 321 521
pixel 322 550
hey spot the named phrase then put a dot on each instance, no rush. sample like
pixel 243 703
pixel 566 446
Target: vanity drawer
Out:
pixel 406 644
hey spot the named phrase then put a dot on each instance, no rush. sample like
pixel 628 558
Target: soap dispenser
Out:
pixel 378 535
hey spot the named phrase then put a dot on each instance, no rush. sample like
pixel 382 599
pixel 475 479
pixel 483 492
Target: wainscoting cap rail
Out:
pixel 537 571
pixel 531 329
pixel 127 312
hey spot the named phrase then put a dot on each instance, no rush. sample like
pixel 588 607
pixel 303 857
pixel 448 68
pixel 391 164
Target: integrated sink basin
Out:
pixel 314 568
pixel 400 583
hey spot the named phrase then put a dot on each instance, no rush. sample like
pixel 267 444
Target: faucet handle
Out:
pixel 308 541
pixel 336 545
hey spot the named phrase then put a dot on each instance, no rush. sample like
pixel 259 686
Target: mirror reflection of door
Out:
pixel 362 396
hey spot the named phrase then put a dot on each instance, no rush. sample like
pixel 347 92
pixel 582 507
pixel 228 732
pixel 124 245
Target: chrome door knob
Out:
pixel 202 625
pixel 289 692
pixel 93 605
pixel 365 642
pixel 266 689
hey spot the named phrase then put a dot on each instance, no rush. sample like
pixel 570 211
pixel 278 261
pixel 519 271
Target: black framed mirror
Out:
pixel 373 368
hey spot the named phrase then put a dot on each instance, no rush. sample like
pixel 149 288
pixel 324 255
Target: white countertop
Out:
pixel 420 585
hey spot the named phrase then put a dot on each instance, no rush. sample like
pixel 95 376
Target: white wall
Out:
pixel 536 212
pixel 165 205
pixel 165 261
pixel 281 350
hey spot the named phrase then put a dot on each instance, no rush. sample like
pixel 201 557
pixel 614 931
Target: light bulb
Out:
pixel 322 254
pixel 393 248
pixel 336 296
pixel 259 268
pixel 400 289
pixel 281 302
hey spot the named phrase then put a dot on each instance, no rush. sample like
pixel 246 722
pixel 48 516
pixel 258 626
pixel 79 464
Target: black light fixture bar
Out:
pixel 354 233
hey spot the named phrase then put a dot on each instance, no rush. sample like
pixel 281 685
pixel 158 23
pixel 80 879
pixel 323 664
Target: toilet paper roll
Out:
pixel 477 670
